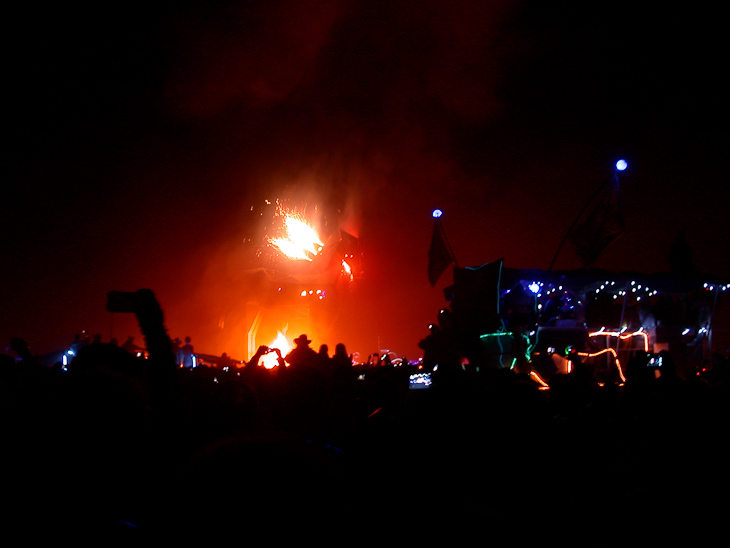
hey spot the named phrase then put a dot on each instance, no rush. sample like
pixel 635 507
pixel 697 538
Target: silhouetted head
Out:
pixel 302 340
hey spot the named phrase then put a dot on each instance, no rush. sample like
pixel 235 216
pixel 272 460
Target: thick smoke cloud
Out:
pixel 144 136
pixel 343 93
pixel 351 106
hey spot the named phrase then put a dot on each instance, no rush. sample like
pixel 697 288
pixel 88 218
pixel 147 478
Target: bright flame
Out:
pixel 346 269
pixel 271 359
pixel 301 241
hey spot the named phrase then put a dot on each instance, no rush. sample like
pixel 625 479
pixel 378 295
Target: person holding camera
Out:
pixel 302 357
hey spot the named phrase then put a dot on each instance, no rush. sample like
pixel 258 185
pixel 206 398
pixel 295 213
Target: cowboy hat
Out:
pixel 302 339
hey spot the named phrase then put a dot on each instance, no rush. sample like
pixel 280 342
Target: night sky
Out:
pixel 142 134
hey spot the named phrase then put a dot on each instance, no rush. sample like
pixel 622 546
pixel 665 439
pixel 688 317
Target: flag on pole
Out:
pixel 600 225
pixel 439 254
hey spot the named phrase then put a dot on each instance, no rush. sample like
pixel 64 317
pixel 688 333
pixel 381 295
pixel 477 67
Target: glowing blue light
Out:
pixel 437 213
pixel 534 287
pixel 621 165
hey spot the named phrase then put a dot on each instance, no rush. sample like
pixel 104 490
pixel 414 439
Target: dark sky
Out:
pixel 141 136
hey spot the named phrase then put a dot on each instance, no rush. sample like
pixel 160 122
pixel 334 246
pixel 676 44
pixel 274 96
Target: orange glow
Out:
pixel 535 377
pixel 271 359
pixel 300 240
pixel 624 336
pixel 615 357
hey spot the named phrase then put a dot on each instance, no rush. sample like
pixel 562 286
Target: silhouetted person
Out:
pixel 187 352
pixel 225 361
pixel 253 363
pixel 325 361
pixel 302 356
pixel 572 393
pixel 441 347
pixel 342 362
pixel 29 364
pixel 280 361
pixel 22 349
pixel 344 374
pixel 430 347
pixel 341 358
pixel 176 350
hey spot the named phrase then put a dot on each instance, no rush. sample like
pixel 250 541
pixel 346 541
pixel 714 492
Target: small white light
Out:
pixel 621 165
pixel 437 213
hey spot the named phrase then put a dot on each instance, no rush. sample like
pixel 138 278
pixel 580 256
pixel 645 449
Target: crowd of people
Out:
pixel 127 445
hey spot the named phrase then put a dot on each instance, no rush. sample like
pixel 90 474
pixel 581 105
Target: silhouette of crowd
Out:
pixel 123 442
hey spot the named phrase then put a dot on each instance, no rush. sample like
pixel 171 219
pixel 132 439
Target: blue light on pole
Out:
pixel 437 213
pixel 621 165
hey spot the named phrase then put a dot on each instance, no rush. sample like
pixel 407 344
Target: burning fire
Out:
pixel 270 360
pixel 347 270
pixel 300 242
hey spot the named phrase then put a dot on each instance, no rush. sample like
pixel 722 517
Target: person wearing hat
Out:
pixel 302 356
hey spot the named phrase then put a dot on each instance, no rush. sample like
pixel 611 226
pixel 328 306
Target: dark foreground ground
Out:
pixel 256 457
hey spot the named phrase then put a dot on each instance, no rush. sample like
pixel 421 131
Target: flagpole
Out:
pixel 440 254
pixel 620 166
pixel 446 241
pixel 709 331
